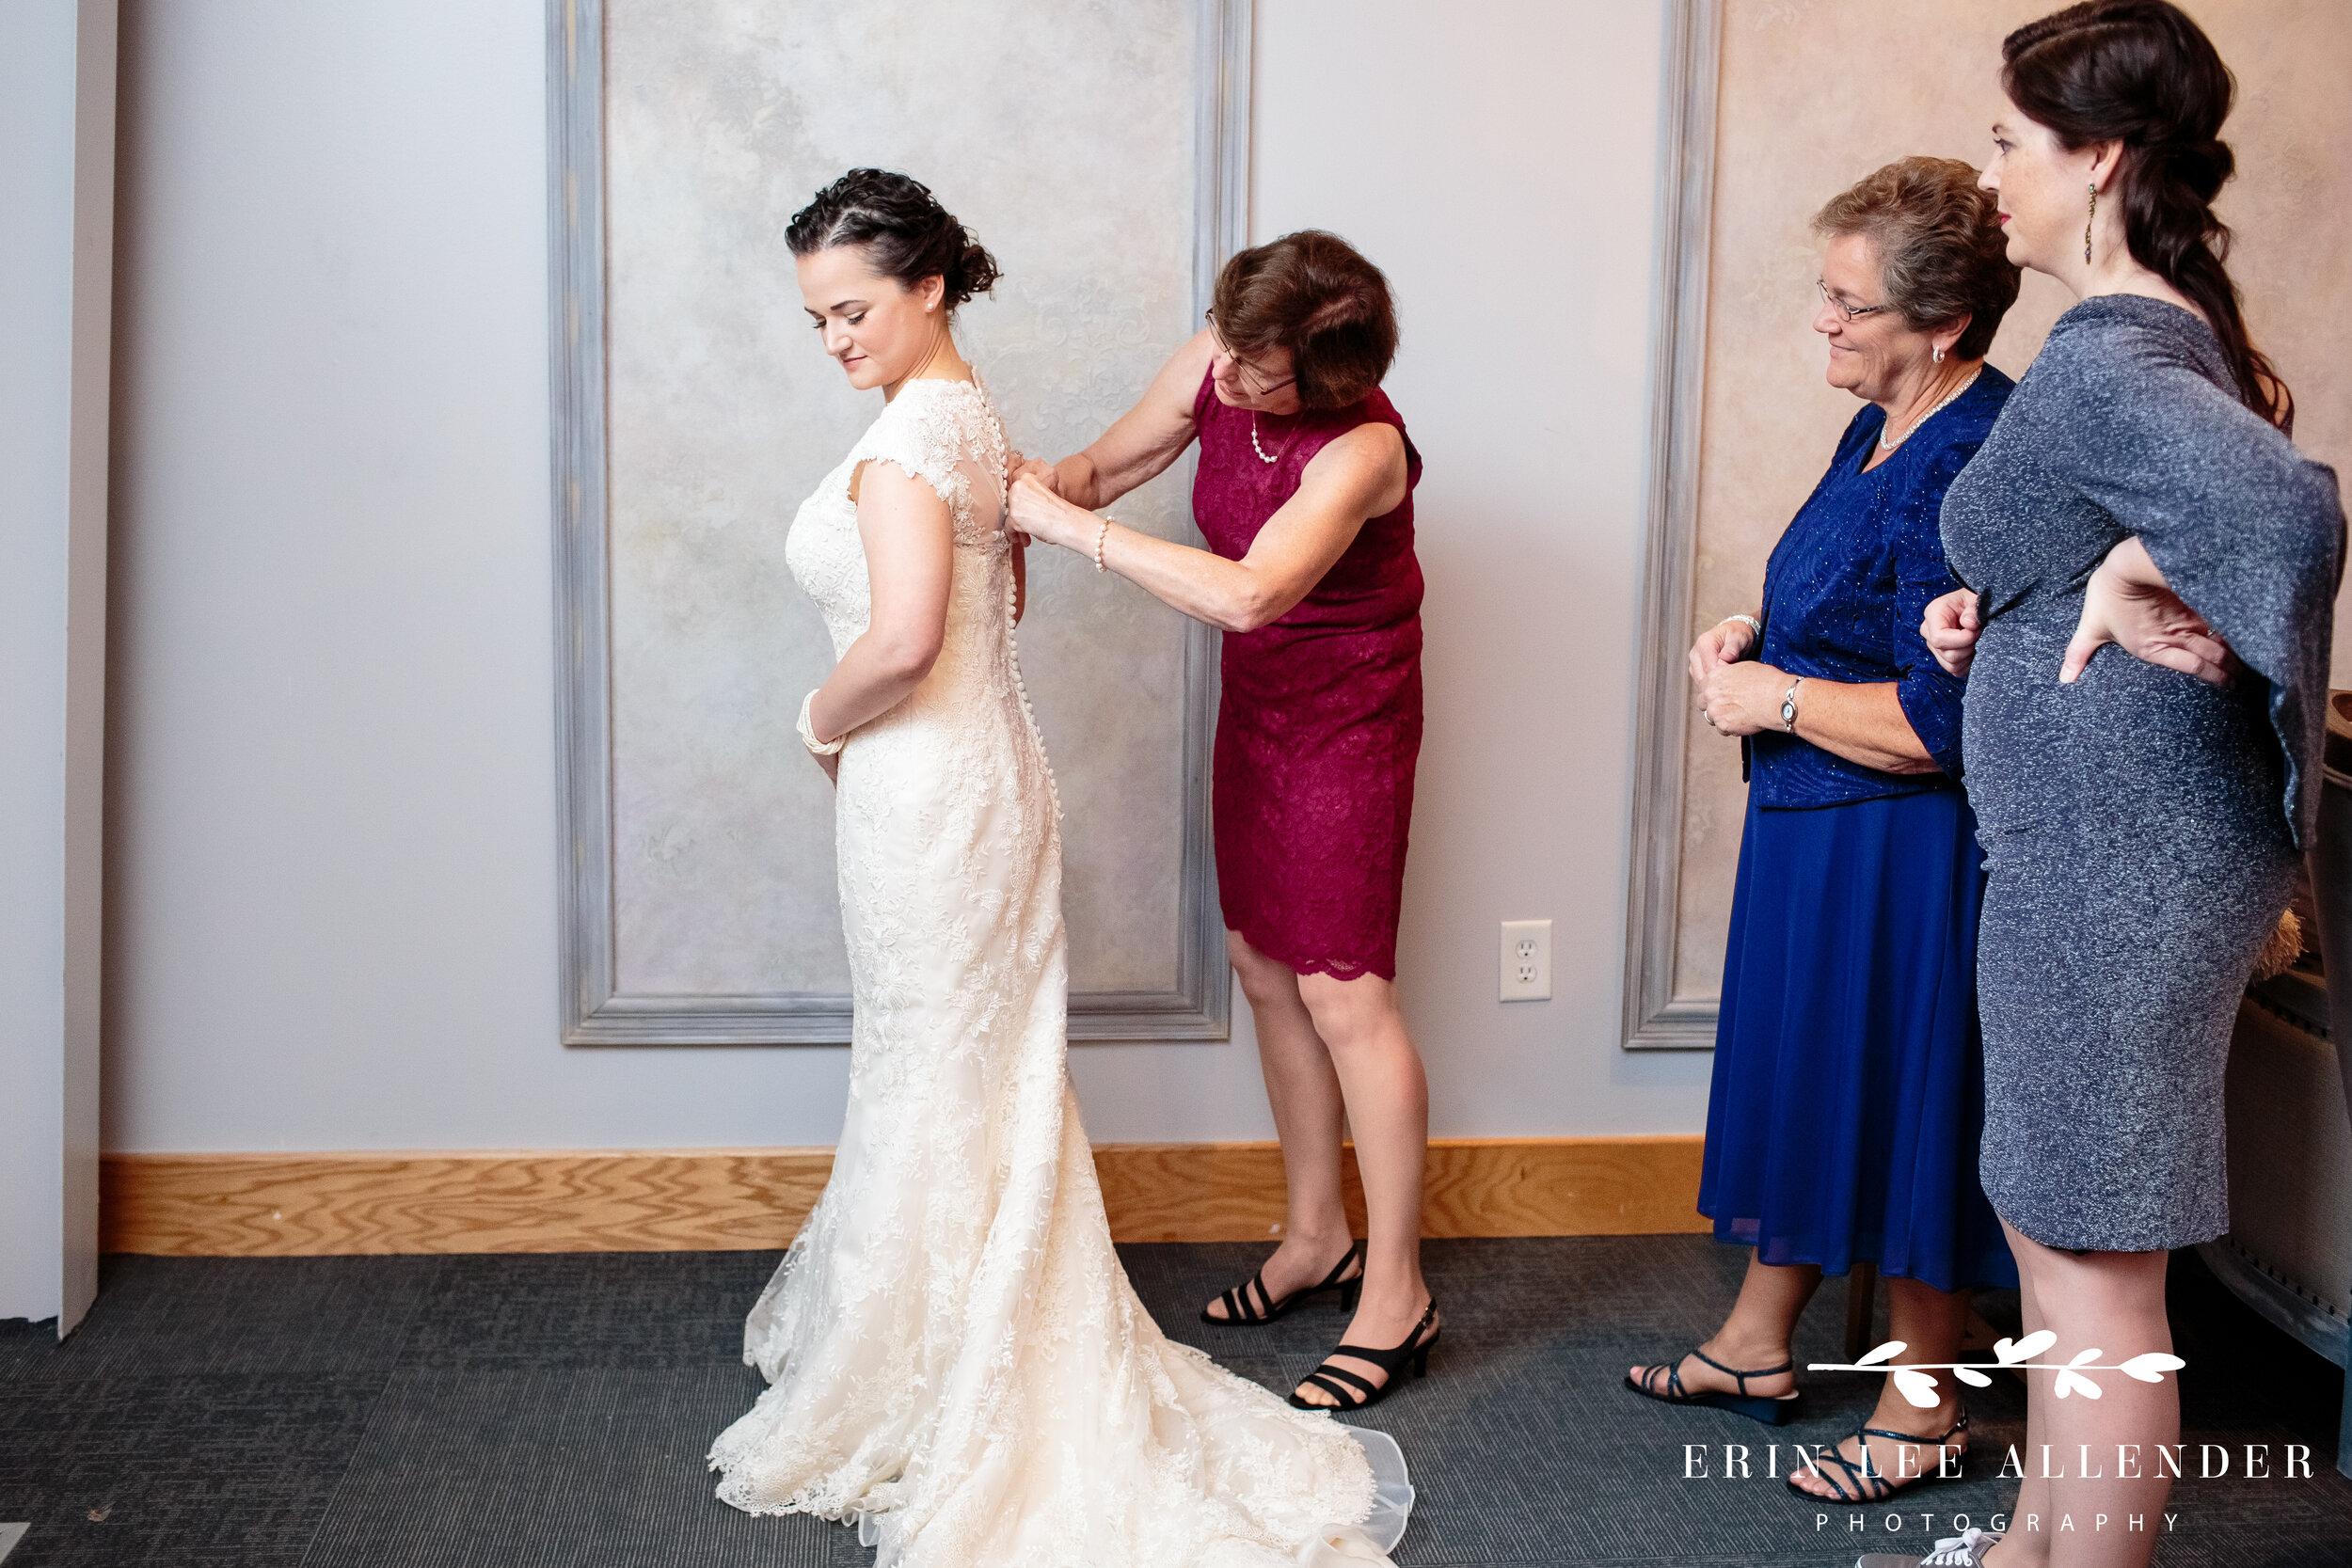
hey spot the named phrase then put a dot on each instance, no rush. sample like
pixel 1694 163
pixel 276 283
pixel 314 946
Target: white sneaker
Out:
pixel 1964 1550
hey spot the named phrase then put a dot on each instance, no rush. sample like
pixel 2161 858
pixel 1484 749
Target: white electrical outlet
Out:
pixel 1526 961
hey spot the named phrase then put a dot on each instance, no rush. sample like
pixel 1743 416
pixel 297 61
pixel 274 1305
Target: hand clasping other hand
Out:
pixel 1741 697
pixel 1728 641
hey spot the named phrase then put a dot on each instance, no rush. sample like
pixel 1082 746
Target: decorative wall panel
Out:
pixel 1098 151
pixel 1756 421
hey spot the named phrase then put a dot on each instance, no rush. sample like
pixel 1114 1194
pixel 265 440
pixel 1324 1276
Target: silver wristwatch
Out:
pixel 1788 706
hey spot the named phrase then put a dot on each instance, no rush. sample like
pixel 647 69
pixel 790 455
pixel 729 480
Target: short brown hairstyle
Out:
pixel 1315 294
pixel 1942 254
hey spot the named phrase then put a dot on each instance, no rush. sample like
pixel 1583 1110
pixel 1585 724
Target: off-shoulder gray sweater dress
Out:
pixel 2140 826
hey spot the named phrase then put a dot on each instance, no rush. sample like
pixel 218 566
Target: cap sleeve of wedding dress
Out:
pixel 956 1360
pixel 945 433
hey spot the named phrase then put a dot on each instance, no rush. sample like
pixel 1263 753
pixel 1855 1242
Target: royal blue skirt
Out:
pixel 1849 1092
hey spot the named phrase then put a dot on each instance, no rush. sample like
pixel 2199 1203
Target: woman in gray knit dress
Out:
pixel 2142 805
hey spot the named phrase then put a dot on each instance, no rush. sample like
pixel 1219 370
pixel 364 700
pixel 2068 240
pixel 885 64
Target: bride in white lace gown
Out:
pixel 957 1361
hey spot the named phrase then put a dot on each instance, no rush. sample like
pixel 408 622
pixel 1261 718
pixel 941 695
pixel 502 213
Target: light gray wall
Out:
pixel 333 853
pixel 1503 168
pixel 56 162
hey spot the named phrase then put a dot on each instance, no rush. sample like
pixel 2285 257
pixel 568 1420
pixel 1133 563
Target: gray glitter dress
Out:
pixel 2140 826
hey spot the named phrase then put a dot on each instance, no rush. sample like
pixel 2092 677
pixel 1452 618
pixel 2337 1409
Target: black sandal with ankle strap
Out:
pixel 1862 1478
pixel 1356 1393
pixel 1252 1304
pixel 1772 1409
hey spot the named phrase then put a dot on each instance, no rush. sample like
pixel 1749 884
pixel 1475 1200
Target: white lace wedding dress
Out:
pixel 957 1360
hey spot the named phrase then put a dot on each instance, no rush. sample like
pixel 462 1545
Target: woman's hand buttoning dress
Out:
pixel 1305 494
pixel 957 1361
pixel 1843 1123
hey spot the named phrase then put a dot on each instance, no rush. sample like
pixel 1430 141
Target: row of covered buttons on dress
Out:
pixel 1021 686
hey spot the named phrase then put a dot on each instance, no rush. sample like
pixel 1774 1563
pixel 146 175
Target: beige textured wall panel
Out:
pixel 1817 93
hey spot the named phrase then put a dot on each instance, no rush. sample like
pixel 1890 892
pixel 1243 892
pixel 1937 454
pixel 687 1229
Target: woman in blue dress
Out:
pixel 1848 1092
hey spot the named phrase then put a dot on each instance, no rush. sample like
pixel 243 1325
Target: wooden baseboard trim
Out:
pixel 750 1200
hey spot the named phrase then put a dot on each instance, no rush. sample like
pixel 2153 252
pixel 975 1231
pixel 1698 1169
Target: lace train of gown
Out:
pixel 955 1359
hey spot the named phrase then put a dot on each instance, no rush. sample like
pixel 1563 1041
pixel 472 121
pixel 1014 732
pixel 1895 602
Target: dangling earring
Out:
pixel 2092 214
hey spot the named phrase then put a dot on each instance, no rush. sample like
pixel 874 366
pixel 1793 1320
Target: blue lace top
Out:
pixel 1844 592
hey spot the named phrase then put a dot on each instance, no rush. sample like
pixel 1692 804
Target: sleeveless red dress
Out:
pixel 1319 725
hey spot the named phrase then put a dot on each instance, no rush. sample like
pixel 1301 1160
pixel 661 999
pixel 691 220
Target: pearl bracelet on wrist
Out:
pixel 1100 534
pixel 809 735
pixel 1753 625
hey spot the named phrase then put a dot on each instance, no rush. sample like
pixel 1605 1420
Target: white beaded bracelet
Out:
pixel 809 735
pixel 1100 534
pixel 1754 625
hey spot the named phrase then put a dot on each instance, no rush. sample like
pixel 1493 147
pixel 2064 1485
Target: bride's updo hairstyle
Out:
pixel 2140 72
pixel 904 231
pixel 1315 294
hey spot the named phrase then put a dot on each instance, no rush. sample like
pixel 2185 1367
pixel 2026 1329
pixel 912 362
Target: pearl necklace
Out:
pixel 1253 442
pixel 1885 445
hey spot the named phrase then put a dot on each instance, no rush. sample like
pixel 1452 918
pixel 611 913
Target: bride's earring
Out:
pixel 2086 217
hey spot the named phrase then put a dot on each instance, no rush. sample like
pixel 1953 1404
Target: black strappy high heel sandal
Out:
pixel 1862 1484
pixel 1253 1304
pixel 1355 1393
pixel 1772 1409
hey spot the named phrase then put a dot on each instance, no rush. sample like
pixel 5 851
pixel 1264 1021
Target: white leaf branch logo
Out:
pixel 1915 1384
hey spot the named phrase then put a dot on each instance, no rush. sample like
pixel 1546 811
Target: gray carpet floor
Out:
pixel 552 1412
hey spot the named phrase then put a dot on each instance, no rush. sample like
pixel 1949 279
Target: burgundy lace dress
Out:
pixel 1320 723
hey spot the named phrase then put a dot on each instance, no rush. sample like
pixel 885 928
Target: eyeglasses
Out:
pixel 1850 312
pixel 1242 371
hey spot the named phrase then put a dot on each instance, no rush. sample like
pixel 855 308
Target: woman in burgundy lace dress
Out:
pixel 1304 493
